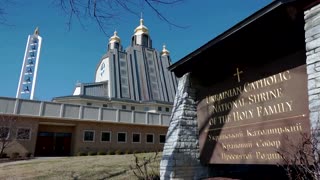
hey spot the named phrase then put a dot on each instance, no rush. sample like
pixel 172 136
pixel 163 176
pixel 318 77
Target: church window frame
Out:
pixel 116 45
pixel 4 132
pixel 108 137
pixel 144 40
pixel 120 138
pixel 89 135
pixel 161 137
pixel 134 136
pixel 150 138
pixel 23 133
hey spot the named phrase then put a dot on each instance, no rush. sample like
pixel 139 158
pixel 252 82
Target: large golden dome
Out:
pixel 141 29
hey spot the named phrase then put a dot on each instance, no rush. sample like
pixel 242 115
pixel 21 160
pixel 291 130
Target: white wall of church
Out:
pixel 77 91
pixel 102 73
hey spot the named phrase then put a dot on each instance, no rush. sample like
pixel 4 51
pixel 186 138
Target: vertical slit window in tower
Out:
pixel 28 79
pixel 33 47
pixel 30 62
pixel 29 70
pixel 133 83
pixel 26 89
pixel 137 74
pixel 34 40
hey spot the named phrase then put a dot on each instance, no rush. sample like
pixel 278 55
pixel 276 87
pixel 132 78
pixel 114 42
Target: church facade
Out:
pixel 135 78
pixel 126 109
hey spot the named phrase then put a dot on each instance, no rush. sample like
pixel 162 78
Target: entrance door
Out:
pixel 45 144
pixel 62 144
pixel 53 144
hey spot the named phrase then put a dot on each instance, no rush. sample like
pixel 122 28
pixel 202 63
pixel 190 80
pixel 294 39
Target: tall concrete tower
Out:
pixel 28 76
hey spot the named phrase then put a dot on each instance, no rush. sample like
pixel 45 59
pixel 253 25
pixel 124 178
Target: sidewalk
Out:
pixel 22 161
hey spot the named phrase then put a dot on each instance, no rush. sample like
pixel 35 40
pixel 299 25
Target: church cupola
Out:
pixel 114 42
pixel 141 36
pixel 164 51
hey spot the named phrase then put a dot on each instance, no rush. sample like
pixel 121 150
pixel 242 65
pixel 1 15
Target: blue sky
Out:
pixel 71 56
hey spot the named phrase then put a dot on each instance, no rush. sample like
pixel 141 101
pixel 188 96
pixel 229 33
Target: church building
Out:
pixel 135 78
pixel 126 109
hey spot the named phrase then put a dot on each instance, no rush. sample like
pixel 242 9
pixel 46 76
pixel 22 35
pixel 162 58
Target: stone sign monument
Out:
pixel 246 95
pixel 246 124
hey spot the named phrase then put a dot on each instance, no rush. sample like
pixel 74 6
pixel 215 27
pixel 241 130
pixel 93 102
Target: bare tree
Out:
pixel 145 168
pixel 301 161
pixel 104 12
pixel 8 131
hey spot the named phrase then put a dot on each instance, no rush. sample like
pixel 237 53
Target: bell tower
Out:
pixel 28 75
pixel 141 36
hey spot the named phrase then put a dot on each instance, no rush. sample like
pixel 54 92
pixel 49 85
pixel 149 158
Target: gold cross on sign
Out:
pixel 238 74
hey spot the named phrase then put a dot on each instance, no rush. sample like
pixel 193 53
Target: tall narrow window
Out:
pixel 116 45
pixel 145 40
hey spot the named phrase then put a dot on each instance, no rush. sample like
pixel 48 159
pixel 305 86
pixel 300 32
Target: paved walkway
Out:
pixel 27 161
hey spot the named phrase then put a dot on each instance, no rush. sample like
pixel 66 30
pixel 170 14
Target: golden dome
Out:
pixel 114 38
pixel 141 29
pixel 164 51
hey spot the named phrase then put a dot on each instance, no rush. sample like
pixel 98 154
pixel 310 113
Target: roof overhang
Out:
pixel 269 34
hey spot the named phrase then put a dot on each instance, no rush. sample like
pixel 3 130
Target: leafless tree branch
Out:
pixel 7 132
pixel 159 14
pixel 302 160
pixel 104 12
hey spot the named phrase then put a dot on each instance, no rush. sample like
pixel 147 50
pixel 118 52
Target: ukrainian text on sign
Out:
pixel 250 122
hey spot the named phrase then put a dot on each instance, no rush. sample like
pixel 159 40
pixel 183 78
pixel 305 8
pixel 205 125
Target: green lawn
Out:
pixel 79 167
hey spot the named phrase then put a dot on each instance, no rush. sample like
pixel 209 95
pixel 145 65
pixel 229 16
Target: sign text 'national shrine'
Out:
pixel 251 122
